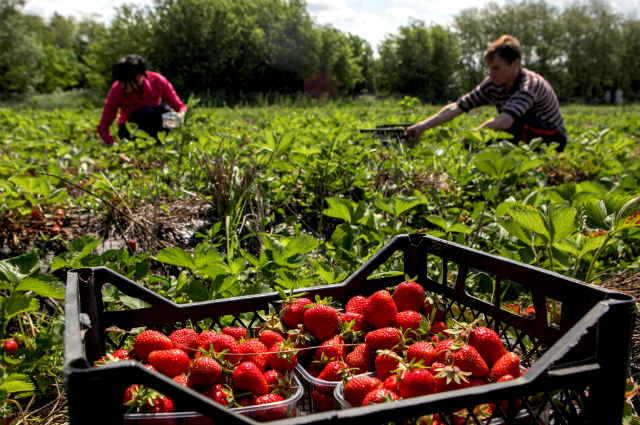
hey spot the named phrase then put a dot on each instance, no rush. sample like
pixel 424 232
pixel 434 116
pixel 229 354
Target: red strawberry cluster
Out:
pixel 229 367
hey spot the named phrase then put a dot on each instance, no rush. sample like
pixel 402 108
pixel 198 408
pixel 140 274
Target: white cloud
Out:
pixel 104 8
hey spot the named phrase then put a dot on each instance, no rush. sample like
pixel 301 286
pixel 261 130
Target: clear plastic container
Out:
pixel 288 408
pixel 310 384
pixel 171 120
pixel 338 393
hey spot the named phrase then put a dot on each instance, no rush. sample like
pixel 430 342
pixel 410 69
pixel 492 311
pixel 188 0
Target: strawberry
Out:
pixel 237 332
pixel 409 296
pixel 269 338
pixel 108 359
pixel 380 311
pixel 383 338
pixel 132 244
pixel 294 312
pixel 251 350
pixel 429 304
pixel 439 327
pixel 273 377
pixel 205 371
pixel 300 338
pixel 121 354
pixel 217 343
pixel 248 377
pixel 378 396
pixel 422 351
pixel 359 324
pixel 408 319
pixel 476 382
pixel 149 341
pixel 151 368
pixel 356 305
pixel 509 364
pixel 442 349
pixel 321 402
pixel 357 388
pixel 416 382
pixel 360 359
pixel 246 401
pixel 332 348
pixel 334 371
pixel 284 362
pixel 468 359
pixel 272 413
pixel 183 380
pixel 172 362
pixel 391 384
pixel 219 393
pixel 488 344
pixel 186 340
pixel 321 320
pixel 451 378
pixel 386 363
pixel 160 404
pixel 130 394
pixel 504 405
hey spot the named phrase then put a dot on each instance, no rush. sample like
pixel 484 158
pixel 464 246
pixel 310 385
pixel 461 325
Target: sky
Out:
pixel 368 19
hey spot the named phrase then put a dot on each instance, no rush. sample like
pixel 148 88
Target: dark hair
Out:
pixel 128 67
pixel 507 47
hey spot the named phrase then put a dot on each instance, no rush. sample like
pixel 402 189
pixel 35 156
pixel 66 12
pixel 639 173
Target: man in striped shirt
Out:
pixel 527 105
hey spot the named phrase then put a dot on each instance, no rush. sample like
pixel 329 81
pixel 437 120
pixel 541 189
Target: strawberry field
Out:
pixel 248 201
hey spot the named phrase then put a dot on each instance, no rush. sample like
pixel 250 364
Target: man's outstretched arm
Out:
pixel 501 122
pixel 445 114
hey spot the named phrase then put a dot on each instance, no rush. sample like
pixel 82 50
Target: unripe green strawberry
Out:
pixel 172 362
pixel 380 311
pixel 149 341
pixel 248 378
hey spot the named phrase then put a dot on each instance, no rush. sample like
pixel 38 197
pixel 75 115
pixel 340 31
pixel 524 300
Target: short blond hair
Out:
pixel 507 46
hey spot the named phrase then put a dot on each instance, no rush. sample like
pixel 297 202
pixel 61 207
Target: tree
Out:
pixel 363 55
pixel 630 55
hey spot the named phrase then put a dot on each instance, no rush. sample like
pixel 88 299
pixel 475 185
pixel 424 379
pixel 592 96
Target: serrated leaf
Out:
pixel 205 255
pixel 88 248
pixel 340 208
pixel 111 294
pixel 512 226
pixel 587 244
pixel 530 218
pixel 15 383
pixel 46 289
pixel 563 221
pixel 567 245
pixel 300 245
pixel 176 257
pixel 384 207
pixel 402 204
pixel 628 216
pixel 197 292
pixel 21 304
pixel 17 268
pixel 133 303
pixel 344 236
pixel 228 282
pixel 460 228
pixel 438 221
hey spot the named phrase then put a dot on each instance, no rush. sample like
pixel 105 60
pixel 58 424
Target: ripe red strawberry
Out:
pixel 247 401
pixel 247 377
pixel 378 396
pixel 284 362
pixel 391 384
pixel 274 378
pixel 219 393
pixel 380 310
pixel 272 413
pixel 151 368
pixel 172 362
pixel 360 359
pixel 294 312
pixel 387 363
pixel 488 344
pixel 186 340
pixel 237 332
pixel 439 327
pixel 11 346
pixel 442 349
pixel 356 305
pixel 416 383
pixel 251 347
pixel 504 405
pixel 211 340
pixel 121 354
pixel 476 382
pixel 129 395
pixel 183 380
pixel 409 296
pixel 468 359
pixel 269 338
pixel 301 339
pixel 408 319
pixel 334 371
pixel 358 387
pixel 429 304
pixel 205 371
pixel 359 324
pixel 383 338
pixel 322 321
pixel 422 350
pixel 451 378
pixel 132 244
pixel 333 349
pixel 321 402
pixel 161 404
pixel 509 364
pixel 149 341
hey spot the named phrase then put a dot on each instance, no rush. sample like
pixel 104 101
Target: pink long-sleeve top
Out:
pixel 155 88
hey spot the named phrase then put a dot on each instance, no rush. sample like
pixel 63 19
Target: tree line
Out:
pixel 236 49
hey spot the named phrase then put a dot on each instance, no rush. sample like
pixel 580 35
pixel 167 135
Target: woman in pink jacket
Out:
pixel 139 94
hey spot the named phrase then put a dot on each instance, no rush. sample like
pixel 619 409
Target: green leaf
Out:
pixel 587 244
pixel 512 226
pixel 438 221
pixel 344 236
pixel 205 255
pixel 228 283
pixel 176 257
pixel 384 207
pixel 21 304
pixel 562 221
pixel 111 294
pixel 628 216
pixel 402 204
pixel 17 268
pixel 133 303
pixel 567 245
pixel 460 228
pixel 299 245
pixel 46 289
pixel 197 292
pixel 15 383
pixel 530 218
pixel 340 208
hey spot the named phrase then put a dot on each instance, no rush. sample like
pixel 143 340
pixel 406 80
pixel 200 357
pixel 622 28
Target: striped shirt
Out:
pixel 530 94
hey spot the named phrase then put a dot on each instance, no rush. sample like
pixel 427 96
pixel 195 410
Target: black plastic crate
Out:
pixel 578 369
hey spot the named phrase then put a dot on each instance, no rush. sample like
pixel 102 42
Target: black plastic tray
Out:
pixel 578 368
